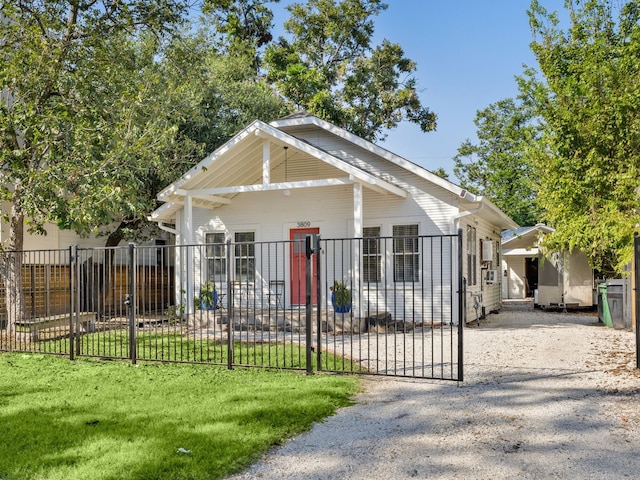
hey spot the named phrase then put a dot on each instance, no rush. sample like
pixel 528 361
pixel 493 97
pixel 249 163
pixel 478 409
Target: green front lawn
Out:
pixel 168 347
pixel 113 420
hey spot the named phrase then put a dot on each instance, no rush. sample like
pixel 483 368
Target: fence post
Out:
pixel 131 302
pixel 230 305
pixel 308 325
pixel 319 313
pixel 636 258
pixel 462 308
pixel 73 255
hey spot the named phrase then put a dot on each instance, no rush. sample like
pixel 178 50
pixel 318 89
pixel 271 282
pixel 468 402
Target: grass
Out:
pixel 175 347
pixel 113 420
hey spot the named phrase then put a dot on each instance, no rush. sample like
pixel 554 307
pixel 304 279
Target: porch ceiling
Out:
pixel 240 165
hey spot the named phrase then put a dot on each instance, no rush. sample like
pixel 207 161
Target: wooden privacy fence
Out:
pixel 46 290
pixel 104 289
pixel 47 284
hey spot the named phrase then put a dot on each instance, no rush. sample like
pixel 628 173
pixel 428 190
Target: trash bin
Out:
pixel 604 315
pixel 615 302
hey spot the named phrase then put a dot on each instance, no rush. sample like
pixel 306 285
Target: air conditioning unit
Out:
pixel 492 276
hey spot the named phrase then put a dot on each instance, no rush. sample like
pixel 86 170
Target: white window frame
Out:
pixel 375 257
pixel 216 252
pixel 244 253
pixel 404 249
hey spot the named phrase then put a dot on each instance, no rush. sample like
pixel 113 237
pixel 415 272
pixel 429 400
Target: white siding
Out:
pixel 271 215
pixel 578 280
pixel 424 197
pixel 489 293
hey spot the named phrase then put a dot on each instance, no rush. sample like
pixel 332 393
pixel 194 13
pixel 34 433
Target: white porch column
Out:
pixel 179 256
pixel 188 242
pixel 357 248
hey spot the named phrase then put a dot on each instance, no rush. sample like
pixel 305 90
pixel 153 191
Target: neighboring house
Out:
pixel 551 279
pixel 57 238
pixel 47 262
pixel 301 175
pixel 54 239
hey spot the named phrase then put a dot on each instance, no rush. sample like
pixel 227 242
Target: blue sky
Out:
pixel 467 53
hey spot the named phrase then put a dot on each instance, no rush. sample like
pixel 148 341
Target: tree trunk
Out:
pixel 12 271
pixel 103 282
pixel 115 237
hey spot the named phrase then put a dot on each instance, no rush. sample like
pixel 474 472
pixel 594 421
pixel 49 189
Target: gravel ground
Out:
pixel 546 395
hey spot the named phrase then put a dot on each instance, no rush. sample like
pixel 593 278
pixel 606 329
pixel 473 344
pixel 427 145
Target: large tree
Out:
pixel 326 64
pixel 588 97
pixel 242 26
pixel 227 92
pixel 207 97
pixel 102 105
pixel 328 67
pixel 499 164
pixel 77 122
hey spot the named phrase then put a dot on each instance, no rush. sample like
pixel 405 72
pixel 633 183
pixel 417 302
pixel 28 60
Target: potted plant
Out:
pixel 340 297
pixel 208 295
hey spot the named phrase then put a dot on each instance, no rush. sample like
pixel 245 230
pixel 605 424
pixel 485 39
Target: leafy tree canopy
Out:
pixel 243 26
pixel 499 165
pixel 80 110
pixel 588 97
pixel 328 67
pixel 104 104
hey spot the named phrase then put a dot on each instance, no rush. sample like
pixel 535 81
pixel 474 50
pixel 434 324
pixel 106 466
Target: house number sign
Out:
pixel 304 224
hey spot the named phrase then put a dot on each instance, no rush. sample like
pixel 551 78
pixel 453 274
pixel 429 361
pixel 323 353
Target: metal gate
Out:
pixel 406 311
pixel 380 306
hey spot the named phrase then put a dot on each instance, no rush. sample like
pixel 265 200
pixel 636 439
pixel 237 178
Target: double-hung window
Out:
pixel 371 255
pixel 216 252
pixel 245 256
pixel 472 255
pixel 406 254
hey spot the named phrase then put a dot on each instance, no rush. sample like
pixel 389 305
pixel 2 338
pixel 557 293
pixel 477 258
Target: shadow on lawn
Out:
pixel 104 440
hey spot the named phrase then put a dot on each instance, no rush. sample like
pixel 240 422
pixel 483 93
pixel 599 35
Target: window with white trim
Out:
pixel 472 256
pixel 406 254
pixel 371 255
pixel 244 256
pixel 216 255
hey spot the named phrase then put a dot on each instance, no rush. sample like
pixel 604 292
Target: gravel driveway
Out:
pixel 546 395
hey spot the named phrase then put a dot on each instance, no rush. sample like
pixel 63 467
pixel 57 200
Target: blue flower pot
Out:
pixel 204 306
pixel 340 308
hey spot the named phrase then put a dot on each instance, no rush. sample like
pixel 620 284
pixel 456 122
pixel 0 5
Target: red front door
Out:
pixel 299 267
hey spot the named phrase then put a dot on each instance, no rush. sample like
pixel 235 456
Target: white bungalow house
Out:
pixel 300 175
pixel 550 279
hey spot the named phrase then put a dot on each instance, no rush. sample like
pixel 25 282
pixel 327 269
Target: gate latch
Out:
pixel 127 300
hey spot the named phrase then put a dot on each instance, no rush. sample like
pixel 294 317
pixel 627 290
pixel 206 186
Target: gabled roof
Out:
pixel 299 119
pixel 217 179
pixel 212 187
pixel 519 233
pixel 523 241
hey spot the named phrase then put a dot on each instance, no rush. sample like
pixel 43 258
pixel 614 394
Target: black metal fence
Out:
pixel 383 306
